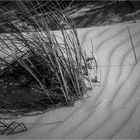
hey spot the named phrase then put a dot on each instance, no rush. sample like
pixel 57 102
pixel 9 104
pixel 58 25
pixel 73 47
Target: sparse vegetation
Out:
pixel 37 71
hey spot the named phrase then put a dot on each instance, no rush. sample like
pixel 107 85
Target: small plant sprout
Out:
pixel 11 128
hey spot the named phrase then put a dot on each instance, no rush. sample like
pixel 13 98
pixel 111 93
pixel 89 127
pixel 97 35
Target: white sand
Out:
pixel 113 109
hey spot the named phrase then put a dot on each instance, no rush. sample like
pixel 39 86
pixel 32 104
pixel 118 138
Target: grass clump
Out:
pixel 37 71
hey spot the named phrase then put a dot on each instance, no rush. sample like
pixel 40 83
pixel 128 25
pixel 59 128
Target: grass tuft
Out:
pixel 37 71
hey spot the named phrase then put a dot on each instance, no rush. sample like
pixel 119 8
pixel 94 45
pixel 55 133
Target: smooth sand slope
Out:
pixel 113 109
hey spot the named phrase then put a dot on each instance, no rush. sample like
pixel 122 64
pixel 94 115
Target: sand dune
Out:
pixel 113 109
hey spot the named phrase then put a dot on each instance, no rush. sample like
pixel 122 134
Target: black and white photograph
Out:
pixel 69 69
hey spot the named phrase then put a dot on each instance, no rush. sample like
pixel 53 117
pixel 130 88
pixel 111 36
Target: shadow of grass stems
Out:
pixel 35 59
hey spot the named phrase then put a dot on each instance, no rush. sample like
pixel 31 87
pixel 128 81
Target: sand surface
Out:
pixel 113 109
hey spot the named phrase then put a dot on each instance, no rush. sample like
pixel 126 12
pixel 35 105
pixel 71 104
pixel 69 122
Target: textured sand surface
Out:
pixel 113 109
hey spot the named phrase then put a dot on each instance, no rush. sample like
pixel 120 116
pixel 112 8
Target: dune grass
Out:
pixel 37 70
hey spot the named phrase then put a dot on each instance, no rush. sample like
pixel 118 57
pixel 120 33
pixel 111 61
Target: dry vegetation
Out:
pixel 37 72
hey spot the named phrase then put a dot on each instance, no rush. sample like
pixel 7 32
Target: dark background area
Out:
pixel 84 13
